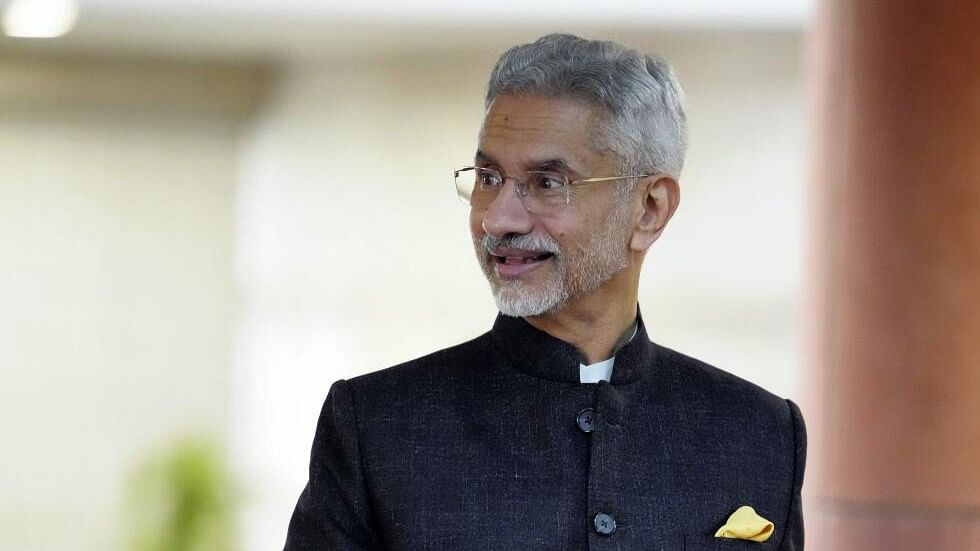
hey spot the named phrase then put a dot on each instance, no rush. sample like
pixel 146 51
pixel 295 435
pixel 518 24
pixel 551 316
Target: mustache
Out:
pixel 526 242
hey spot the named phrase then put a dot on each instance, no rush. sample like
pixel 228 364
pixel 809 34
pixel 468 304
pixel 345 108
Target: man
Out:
pixel 563 427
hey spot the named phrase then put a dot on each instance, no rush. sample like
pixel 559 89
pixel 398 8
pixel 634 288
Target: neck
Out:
pixel 593 324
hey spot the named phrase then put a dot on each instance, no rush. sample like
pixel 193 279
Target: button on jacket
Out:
pixel 494 444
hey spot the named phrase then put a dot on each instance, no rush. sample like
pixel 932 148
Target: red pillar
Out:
pixel 894 336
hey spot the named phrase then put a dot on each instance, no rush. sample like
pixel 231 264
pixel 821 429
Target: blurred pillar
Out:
pixel 894 363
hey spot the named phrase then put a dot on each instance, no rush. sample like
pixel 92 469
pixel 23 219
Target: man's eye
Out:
pixel 547 181
pixel 488 178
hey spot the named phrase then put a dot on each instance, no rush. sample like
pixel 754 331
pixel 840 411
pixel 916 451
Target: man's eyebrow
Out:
pixel 557 165
pixel 483 158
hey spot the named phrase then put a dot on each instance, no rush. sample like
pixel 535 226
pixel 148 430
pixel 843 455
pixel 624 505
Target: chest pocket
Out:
pixel 711 543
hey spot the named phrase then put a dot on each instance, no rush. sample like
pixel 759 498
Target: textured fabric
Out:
pixel 481 447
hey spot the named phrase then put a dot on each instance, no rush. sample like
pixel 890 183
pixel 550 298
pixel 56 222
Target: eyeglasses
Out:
pixel 539 191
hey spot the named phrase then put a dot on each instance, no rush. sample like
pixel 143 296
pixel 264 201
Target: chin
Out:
pixel 517 299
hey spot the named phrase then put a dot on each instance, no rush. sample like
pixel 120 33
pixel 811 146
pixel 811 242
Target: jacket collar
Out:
pixel 542 355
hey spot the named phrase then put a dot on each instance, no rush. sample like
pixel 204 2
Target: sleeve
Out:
pixel 793 535
pixel 333 512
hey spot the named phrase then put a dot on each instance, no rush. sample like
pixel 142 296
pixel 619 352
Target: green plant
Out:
pixel 181 500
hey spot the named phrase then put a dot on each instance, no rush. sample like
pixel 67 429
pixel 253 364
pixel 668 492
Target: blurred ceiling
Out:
pixel 746 11
pixel 288 29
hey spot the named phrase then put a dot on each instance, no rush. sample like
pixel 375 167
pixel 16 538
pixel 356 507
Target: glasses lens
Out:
pixel 546 190
pixel 464 178
pixel 478 186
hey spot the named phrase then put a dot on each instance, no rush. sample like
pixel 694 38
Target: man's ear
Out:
pixel 659 198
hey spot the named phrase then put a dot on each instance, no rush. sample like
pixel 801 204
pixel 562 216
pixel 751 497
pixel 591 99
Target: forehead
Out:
pixel 528 130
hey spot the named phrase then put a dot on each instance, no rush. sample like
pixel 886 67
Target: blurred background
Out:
pixel 209 212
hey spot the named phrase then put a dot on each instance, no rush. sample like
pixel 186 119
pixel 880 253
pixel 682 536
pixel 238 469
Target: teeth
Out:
pixel 519 260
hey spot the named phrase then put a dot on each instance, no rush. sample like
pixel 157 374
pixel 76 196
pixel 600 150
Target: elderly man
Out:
pixel 564 426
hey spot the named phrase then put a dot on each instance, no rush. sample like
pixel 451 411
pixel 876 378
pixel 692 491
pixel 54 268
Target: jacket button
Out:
pixel 584 419
pixel 604 524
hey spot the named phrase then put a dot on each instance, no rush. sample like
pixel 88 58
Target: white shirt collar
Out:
pixel 599 371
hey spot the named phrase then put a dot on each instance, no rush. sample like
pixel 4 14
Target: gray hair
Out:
pixel 645 126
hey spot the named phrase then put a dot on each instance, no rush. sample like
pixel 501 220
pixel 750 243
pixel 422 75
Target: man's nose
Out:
pixel 507 214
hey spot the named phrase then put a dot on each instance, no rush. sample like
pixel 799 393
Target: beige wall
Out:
pixel 116 303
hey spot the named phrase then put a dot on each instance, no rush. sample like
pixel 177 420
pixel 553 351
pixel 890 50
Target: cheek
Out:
pixel 557 228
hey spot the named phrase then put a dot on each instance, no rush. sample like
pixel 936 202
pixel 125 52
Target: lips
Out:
pixel 510 259
pixel 513 263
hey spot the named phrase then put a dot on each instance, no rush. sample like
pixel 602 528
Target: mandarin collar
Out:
pixel 542 355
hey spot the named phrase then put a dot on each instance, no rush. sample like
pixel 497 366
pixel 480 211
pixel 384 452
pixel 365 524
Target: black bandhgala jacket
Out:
pixel 494 444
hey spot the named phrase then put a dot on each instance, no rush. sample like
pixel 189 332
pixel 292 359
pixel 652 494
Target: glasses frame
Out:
pixel 521 186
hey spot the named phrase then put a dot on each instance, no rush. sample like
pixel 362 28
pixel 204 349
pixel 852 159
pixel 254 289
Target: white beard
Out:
pixel 518 299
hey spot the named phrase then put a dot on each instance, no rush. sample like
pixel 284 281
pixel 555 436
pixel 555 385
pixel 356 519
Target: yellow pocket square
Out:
pixel 746 524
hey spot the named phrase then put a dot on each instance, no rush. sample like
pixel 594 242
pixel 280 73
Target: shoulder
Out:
pixel 731 412
pixel 706 388
pixel 437 369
